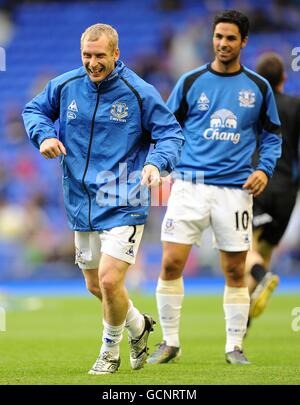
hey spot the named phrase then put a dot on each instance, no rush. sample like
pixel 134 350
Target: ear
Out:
pixel 116 54
pixel 244 42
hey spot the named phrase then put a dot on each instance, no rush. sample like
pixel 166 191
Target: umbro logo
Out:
pixel 73 106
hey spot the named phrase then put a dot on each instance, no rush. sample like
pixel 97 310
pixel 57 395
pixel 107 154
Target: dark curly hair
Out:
pixel 233 17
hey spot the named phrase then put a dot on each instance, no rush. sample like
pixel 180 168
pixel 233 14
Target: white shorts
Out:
pixel 194 207
pixel 121 242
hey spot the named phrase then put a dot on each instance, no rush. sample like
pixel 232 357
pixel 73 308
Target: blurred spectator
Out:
pixel 170 5
pixel 12 220
pixel 181 41
pixel 14 129
pixel 189 48
pixel 41 80
pixel 261 22
pixel 150 68
pixel 5 27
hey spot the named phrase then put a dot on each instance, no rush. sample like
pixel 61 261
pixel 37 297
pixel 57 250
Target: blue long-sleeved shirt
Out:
pixel 222 115
pixel 107 130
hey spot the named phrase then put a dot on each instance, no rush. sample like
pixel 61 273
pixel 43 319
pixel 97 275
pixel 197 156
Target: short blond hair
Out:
pixel 93 33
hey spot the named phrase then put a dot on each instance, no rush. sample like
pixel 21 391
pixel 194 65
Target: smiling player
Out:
pixel 107 118
pixel 222 107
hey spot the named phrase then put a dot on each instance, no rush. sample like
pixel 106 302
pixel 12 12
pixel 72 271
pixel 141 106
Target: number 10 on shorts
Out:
pixel 241 220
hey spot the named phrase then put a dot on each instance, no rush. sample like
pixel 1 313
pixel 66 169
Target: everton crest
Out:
pixel 247 98
pixel 119 111
pixel 169 225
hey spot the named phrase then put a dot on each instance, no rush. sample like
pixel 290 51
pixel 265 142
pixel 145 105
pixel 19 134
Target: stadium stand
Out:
pixel 44 42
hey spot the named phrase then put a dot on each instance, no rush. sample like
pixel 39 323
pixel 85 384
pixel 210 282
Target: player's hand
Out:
pixel 150 176
pixel 51 148
pixel 256 183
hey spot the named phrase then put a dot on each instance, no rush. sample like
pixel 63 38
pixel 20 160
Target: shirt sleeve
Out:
pixel 177 102
pixel 40 114
pixel 269 134
pixel 165 131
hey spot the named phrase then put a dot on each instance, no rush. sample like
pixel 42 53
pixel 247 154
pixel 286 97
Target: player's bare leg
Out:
pixel 236 305
pixel 92 282
pixel 261 282
pixel 134 320
pixel 118 312
pixel 115 305
pixel 112 284
pixel 169 296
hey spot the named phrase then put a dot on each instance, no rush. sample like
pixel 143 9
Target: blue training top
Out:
pixel 107 130
pixel 222 116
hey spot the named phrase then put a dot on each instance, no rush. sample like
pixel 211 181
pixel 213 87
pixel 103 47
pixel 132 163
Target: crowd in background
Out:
pixel 34 239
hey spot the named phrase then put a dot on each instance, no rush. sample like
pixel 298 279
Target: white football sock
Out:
pixel 135 321
pixel 169 297
pixel 111 337
pixel 236 308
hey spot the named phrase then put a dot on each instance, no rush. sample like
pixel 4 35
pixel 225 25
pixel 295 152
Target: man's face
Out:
pixel 227 42
pixel 98 58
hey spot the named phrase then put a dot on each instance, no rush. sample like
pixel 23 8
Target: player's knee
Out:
pixel 235 273
pixel 172 267
pixel 94 289
pixel 108 284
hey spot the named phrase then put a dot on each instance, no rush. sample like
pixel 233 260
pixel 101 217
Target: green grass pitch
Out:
pixel 58 343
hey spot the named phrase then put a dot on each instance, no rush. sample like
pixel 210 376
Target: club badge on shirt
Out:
pixel 247 98
pixel 119 111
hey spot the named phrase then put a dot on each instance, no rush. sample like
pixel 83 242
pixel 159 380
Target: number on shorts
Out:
pixel 131 239
pixel 244 220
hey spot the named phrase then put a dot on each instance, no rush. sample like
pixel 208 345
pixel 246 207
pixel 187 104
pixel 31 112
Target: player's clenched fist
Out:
pixel 150 176
pixel 51 148
pixel 256 183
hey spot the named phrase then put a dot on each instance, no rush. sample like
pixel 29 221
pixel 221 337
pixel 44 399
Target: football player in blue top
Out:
pixel 224 110
pixel 273 209
pixel 108 117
